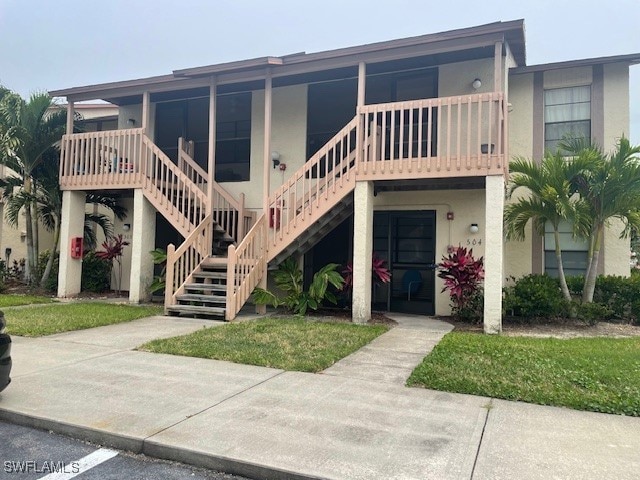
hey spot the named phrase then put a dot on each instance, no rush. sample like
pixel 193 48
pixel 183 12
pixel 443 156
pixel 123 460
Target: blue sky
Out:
pixel 48 45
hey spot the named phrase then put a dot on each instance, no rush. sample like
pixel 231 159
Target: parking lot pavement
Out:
pixel 31 454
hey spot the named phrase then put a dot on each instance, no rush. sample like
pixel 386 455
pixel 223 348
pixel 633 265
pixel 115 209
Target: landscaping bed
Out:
pixel 49 319
pixel 286 343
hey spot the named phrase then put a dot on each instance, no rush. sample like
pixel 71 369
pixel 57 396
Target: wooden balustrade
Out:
pixel 183 261
pixel 246 265
pixel 99 159
pixel 439 137
pixel 169 189
pixel 188 165
pixel 304 197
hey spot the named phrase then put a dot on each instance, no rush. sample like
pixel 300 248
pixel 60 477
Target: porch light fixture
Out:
pixel 476 84
pixel 474 228
pixel 131 122
pixel 275 158
pixel 126 227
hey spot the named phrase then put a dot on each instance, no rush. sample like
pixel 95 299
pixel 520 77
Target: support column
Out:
pixel 71 226
pixel 211 164
pixel 70 115
pixel 362 84
pixel 266 177
pixel 493 254
pixel 497 68
pixel 143 237
pixel 362 251
pixel 146 111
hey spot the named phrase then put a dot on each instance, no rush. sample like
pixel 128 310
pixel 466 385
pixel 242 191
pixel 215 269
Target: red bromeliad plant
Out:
pixel 462 275
pixel 113 250
pixel 379 272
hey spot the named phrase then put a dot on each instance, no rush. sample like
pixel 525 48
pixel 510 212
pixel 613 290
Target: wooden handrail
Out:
pixel 246 264
pixel 183 261
pixel 189 166
pixel 168 188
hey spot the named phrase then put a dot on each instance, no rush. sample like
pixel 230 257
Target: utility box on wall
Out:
pixel 77 244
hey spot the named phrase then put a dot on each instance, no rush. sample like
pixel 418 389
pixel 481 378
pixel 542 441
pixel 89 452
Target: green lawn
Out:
pixel 14 300
pixel 50 319
pixel 289 344
pixel 597 374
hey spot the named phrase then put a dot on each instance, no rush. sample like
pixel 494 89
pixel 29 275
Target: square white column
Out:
pixel 362 251
pixel 71 226
pixel 143 238
pixel 493 254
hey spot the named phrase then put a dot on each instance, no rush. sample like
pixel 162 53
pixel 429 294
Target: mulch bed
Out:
pixel 344 316
pixel 557 328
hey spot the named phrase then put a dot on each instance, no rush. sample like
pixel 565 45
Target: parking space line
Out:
pixel 85 463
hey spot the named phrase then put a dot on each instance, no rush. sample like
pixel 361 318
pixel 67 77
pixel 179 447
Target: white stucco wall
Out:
pixel 616 124
pixel 518 254
pixel 135 112
pixel 456 78
pixel 468 208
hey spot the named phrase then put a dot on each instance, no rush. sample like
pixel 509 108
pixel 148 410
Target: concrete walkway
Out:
pixel 392 357
pixel 266 423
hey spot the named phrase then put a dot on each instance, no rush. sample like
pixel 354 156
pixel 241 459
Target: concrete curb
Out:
pixel 150 448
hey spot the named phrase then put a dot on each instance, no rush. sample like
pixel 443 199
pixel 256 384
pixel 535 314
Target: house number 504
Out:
pixel 474 241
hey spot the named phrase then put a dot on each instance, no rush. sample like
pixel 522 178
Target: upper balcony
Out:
pixel 459 136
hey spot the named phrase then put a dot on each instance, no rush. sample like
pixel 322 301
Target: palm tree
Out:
pixel 48 198
pixel 610 189
pixel 35 126
pixel 551 200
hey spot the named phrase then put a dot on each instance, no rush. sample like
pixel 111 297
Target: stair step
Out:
pixel 214 275
pixel 206 286
pixel 193 297
pixel 197 310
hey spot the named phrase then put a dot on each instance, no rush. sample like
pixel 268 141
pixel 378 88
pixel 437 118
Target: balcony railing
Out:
pixel 440 137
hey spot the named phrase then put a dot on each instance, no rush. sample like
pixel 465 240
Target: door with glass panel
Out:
pixel 406 240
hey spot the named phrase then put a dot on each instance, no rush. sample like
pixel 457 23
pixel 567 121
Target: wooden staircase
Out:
pixel 206 294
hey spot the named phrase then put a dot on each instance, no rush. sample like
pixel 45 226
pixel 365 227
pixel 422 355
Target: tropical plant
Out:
pixel 288 279
pixel 159 281
pixel 551 200
pixel 379 272
pixel 29 130
pixel 610 188
pixel 113 251
pixel 462 275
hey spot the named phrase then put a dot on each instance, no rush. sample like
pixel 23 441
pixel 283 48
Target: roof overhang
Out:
pixel 511 32
pixel 631 59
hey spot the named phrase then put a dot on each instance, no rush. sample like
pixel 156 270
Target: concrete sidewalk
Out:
pixel 266 423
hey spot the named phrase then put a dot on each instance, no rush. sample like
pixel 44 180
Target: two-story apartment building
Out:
pixel 400 148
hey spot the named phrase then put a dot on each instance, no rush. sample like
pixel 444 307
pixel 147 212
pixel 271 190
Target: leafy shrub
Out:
pixel 159 281
pixel 96 273
pixel 288 279
pixel 52 281
pixel 617 293
pixel 575 284
pixel 535 296
pixel 462 275
pixel 592 313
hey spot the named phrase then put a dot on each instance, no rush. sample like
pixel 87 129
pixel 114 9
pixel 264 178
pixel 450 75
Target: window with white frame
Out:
pixel 567 112
pixel 574 251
